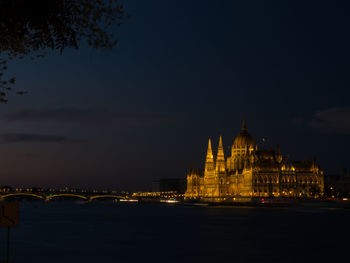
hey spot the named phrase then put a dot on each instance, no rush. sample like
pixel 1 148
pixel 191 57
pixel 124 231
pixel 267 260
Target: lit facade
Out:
pixel 250 172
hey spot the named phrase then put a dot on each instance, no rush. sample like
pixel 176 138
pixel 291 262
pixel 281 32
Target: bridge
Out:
pixel 50 196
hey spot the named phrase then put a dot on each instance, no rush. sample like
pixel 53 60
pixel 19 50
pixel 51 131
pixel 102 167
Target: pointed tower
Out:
pixel 244 126
pixel 209 162
pixel 220 158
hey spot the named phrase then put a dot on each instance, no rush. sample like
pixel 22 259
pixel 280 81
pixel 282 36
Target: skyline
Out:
pixel 146 109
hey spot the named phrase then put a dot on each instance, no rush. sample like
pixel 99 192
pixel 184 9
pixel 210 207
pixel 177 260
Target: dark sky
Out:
pixel 183 71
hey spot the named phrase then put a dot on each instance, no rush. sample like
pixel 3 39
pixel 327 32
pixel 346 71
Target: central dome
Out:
pixel 244 139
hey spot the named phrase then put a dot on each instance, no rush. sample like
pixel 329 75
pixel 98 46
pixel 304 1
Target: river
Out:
pixel 111 232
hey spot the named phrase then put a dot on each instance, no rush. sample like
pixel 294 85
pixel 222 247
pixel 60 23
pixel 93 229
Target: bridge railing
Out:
pixel 48 196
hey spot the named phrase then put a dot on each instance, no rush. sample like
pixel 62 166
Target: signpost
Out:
pixel 8 217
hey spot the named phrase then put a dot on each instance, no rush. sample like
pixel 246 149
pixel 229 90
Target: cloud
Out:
pixel 332 120
pixel 85 116
pixel 33 138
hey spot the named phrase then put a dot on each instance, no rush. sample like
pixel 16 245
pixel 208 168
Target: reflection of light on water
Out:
pixel 200 204
pixel 169 201
pixel 129 200
pixel 142 227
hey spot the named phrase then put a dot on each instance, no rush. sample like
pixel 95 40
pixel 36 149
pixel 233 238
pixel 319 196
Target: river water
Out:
pixel 112 232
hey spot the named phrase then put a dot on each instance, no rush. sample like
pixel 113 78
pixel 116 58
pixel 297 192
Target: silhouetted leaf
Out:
pixel 29 28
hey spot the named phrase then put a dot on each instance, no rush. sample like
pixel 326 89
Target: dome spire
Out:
pixel 244 125
pixel 243 138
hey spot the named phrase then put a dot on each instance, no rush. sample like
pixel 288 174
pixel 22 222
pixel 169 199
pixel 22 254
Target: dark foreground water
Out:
pixel 107 232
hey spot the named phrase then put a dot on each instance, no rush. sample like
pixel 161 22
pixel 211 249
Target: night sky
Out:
pixel 182 72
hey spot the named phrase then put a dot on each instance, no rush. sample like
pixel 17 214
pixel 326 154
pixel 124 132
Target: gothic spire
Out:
pixel 209 162
pixel 220 156
pixel 209 151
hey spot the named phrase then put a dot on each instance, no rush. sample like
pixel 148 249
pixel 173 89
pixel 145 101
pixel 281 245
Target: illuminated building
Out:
pixel 250 172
